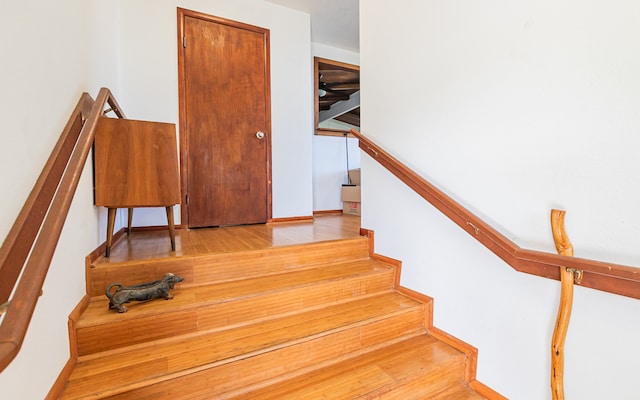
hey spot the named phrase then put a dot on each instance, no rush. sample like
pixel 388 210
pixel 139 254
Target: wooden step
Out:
pixel 204 308
pixel 320 320
pixel 235 358
pixel 418 368
pixel 460 391
pixel 223 267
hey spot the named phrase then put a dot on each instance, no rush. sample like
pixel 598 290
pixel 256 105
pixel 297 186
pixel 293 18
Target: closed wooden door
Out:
pixel 225 121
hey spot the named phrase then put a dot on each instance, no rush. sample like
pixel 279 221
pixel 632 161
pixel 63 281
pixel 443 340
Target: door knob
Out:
pixel 260 135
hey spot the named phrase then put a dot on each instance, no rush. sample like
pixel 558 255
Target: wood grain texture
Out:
pixel 212 306
pixel 485 391
pixel 28 289
pixel 418 367
pixel 565 248
pixel 614 278
pixel 315 320
pixel 224 94
pixel 186 352
pixel 136 164
pixel 223 267
pixel 144 245
pixel 18 242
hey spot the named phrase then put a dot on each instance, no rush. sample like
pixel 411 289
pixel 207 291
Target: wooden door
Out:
pixel 225 121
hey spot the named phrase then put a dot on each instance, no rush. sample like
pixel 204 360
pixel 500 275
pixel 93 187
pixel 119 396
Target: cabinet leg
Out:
pixel 111 221
pixel 129 220
pixel 172 233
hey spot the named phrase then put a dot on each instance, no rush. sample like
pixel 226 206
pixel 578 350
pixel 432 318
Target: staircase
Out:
pixel 315 321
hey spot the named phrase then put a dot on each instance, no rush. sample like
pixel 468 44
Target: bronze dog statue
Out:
pixel 143 292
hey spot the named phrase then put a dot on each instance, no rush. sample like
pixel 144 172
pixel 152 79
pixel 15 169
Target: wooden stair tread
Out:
pixel 322 320
pixel 377 374
pixel 228 266
pixel 203 308
pixel 459 392
pixel 128 366
pixel 227 246
pixel 153 244
pixel 97 312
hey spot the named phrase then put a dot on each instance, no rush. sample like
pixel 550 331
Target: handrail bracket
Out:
pixel 475 228
pixel 577 275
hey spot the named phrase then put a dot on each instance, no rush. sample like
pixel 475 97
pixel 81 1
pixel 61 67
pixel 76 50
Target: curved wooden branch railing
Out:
pixel 27 250
pixel 613 278
pixel 567 279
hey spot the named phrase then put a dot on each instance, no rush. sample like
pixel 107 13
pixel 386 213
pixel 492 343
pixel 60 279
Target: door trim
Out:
pixel 182 13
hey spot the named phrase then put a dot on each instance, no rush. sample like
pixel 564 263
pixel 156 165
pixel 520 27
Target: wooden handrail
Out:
pixel 17 244
pixel 613 278
pixel 26 253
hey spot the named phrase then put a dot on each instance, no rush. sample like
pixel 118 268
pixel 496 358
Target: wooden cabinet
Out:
pixel 136 165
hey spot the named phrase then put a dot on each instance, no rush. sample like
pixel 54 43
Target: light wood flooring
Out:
pixel 154 244
pixel 298 310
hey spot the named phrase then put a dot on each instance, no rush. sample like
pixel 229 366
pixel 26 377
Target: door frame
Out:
pixel 182 13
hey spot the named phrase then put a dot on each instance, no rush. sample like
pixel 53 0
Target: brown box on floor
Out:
pixel 351 199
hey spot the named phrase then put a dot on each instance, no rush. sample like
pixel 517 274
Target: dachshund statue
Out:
pixel 142 292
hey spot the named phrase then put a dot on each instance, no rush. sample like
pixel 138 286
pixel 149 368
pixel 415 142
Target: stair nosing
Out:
pixel 263 350
pixel 452 360
pixel 95 265
pixel 167 340
pixel 140 314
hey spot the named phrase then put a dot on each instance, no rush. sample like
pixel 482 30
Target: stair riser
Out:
pixel 165 359
pixel 410 366
pixel 220 382
pixel 246 328
pixel 95 339
pixel 227 266
pixel 426 386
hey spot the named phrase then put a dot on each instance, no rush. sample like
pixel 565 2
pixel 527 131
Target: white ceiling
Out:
pixel 333 22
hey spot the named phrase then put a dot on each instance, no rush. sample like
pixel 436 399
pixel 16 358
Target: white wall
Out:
pixel 48 62
pixel 330 152
pixel 150 85
pixel 512 109
pixel 330 169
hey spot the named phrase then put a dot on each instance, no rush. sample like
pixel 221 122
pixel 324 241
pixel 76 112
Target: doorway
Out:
pixel 225 121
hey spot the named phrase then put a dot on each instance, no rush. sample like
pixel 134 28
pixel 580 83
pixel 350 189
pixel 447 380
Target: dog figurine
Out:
pixel 143 292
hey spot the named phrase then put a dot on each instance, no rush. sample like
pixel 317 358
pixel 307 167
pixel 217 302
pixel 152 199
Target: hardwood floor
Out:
pixel 144 245
pixel 279 311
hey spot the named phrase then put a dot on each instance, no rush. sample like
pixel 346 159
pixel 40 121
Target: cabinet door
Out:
pixel 136 164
